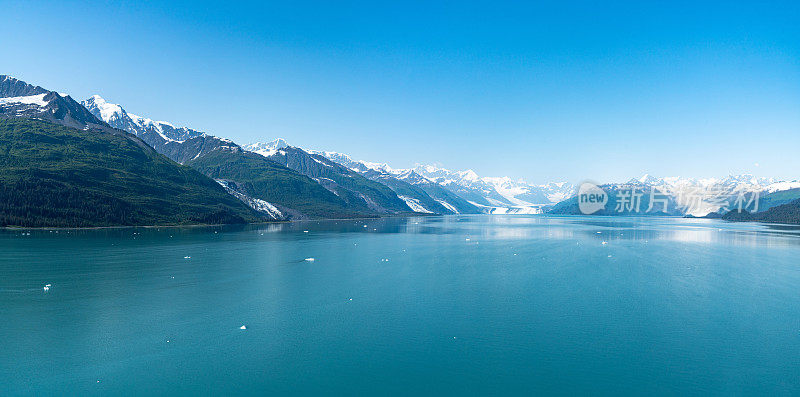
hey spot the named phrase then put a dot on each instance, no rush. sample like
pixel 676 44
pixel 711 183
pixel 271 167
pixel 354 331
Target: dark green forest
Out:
pixel 51 175
pixel 272 182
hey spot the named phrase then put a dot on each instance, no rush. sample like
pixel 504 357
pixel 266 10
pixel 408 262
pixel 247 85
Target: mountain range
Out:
pixel 691 196
pixel 61 166
pixel 118 168
pixel 255 179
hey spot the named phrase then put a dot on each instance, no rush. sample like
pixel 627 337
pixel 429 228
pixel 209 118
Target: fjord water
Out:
pixel 432 305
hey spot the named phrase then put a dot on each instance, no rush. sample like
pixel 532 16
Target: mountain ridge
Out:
pixel 252 176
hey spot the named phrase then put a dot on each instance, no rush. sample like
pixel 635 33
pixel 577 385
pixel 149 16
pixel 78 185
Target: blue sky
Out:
pixel 541 91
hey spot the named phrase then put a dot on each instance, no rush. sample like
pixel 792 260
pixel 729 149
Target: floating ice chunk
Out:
pixel 243 327
pixel 309 259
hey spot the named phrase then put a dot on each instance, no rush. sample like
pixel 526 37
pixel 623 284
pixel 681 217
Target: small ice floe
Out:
pixel 243 327
pixel 187 257
pixel 309 259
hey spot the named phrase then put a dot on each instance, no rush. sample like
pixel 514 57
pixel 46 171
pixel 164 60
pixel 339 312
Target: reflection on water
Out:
pixel 595 228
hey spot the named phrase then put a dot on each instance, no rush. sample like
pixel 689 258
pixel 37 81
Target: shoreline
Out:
pixel 214 224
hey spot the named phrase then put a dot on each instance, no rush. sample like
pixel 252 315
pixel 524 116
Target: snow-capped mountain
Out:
pixel 117 117
pixel 415 189
pixel 455 191
pixel 423 188
pixel 265 185
pixel 181 144
pixel 267 149
pixel 20 99
pixel 489 195
pixel 693 196
pixel 355 189
pixel 497 191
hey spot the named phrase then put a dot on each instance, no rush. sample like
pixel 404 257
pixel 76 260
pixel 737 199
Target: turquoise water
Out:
pixel 431 305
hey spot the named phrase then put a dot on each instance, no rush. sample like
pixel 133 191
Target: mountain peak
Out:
pixel 107 111
pixel 267 148
pixel 12 87
pixel 117 117
pixel 279 143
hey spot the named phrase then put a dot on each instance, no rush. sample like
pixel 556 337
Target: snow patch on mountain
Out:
pixel 257 204
pixel 781 186
pixel 449 206
pixel 414 204
pixel 37 100
pixel 117 117
pixel 108 111
pixel 267 149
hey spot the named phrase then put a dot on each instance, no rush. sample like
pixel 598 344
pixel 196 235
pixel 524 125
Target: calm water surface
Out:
pixel 413 306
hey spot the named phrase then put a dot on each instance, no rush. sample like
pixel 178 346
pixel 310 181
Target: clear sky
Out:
pixel 541 91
